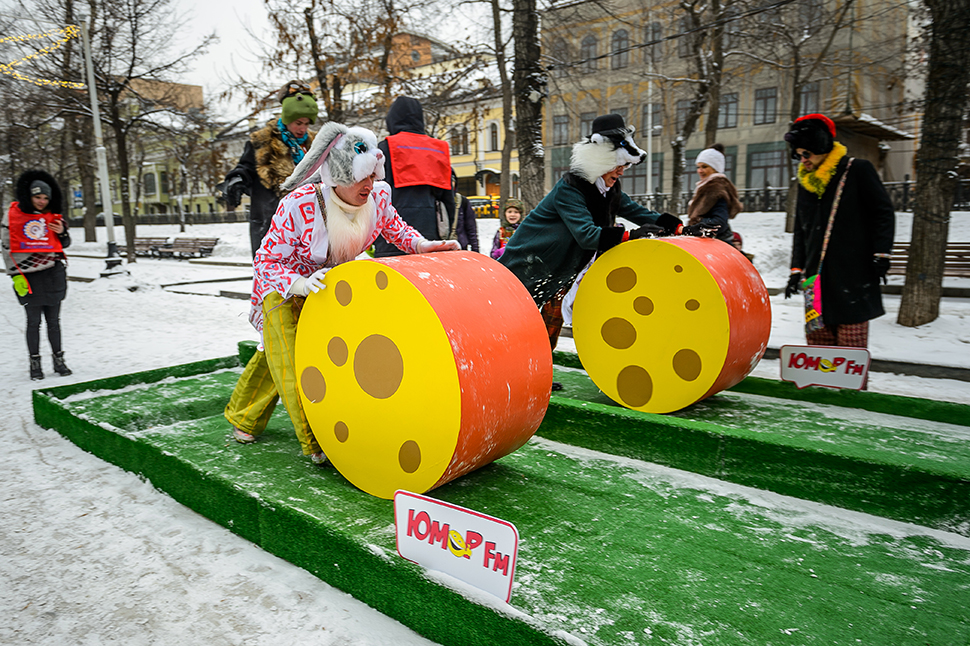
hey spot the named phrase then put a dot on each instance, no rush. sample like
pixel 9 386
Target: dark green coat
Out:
pixel 561 235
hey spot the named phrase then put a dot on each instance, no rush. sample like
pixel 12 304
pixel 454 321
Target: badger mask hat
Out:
pixel 609 145
pixel 339 156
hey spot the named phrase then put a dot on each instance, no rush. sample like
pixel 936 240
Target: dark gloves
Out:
pixel 794 284
pixel 700 230
pixel 669 223
pixel 880 266
pixel 233 191
pixel 646 231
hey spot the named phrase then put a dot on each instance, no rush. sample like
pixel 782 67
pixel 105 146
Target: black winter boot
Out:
pixel 59 366
pixel 35 370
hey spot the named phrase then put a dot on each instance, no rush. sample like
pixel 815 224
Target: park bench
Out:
pixel 189 247
pixel 149 246
pixel 956 263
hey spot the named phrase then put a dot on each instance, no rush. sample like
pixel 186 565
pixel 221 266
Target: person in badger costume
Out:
pixel 577 219
pixel 337 210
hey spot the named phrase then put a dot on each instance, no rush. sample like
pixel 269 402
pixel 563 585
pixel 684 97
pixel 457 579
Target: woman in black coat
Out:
pixel 857 255
pixel 34 237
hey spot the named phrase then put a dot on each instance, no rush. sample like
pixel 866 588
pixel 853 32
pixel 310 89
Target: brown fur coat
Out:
pixel 273 160
pixel 706 196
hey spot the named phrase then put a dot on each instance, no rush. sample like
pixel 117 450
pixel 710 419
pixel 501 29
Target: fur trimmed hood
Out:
pixel 274 163
pixel 339 156
pixel 599 154
pixel 24 203
pixel 717 187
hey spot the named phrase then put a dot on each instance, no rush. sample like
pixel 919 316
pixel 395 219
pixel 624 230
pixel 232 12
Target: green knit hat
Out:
pixel 299 105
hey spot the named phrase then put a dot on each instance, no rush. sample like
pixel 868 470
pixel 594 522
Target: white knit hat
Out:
pixel 712 158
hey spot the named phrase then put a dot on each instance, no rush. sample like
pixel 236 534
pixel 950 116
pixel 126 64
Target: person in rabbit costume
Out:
pixel 335 211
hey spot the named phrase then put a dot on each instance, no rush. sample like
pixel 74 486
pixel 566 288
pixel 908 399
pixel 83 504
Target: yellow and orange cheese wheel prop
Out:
pixel 415 370
pixel 661 324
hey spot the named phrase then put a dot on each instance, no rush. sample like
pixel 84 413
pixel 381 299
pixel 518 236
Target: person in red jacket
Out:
pixel 34 238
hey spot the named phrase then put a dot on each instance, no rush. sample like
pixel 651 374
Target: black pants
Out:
pixel 52 313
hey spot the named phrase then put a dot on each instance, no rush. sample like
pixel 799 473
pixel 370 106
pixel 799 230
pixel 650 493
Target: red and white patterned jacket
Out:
pixel 296 243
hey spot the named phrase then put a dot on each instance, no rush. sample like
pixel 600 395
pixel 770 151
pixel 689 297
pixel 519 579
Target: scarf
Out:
pixel 295 144
pixel 817 180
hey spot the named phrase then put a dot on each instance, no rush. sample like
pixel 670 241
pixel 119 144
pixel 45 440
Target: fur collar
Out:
pixel 708 192
pixel 817 180
pixel 274 163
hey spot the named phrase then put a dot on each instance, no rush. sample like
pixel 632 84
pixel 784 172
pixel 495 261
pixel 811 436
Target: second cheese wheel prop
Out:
pixel 661 324
pixel 415 370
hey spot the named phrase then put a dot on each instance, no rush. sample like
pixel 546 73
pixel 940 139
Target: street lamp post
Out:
pixel 113 260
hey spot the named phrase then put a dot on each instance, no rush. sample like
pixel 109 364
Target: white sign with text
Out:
pixel 824 365
pixel 472 547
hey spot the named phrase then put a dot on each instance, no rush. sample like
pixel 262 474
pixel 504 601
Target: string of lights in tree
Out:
pixel 61 36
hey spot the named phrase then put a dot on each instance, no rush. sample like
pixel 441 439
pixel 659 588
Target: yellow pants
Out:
pixel 272 373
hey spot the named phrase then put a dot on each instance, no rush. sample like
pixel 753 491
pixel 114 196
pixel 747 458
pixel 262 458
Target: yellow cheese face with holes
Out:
pixel 378 380
pixel 651 326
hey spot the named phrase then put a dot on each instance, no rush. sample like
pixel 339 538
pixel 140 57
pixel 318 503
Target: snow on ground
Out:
pixel 90 554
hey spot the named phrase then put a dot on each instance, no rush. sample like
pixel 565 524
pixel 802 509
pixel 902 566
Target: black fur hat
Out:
pixel 813 132
pixel 23 191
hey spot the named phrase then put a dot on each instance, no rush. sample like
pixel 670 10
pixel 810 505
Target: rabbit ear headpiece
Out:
pixel 338 156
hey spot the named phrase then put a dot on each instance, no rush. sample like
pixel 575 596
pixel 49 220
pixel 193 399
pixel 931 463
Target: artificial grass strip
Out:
pixel 612 551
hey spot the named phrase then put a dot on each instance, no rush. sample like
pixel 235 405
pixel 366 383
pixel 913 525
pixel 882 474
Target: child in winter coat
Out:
pixel 34 238
pixel 509 223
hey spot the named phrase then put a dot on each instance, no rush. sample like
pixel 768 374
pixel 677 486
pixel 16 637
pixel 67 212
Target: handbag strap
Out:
pixel 835 206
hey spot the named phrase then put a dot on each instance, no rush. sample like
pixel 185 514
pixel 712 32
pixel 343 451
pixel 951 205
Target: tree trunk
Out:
pixel 944 104
pixel 505 179
pixel 528 82
pixel 127 221
pixel 717 70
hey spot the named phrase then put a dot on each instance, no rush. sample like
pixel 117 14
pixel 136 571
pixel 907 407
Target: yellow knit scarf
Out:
pixel 815 181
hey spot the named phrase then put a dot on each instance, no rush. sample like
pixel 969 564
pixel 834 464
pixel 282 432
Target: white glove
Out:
pixel 429 246
pixel 315 282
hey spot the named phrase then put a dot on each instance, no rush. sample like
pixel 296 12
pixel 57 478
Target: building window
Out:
pixel 493 137
pixel 459 140
pixel 656 111
pixel 808 98
pixel 727 116
pixel 623 112
pixel 586 124
pixel 810 14
pixel 766 169
pixel 560 57
pixel 765 105
pixel 653 33
pixel 560 130
pixel 690 171
pixel 149 182
pixel 683 107
pixel 620 47
pixel 163 180
pixel 685 44
pixel 635 178
pixel 587 53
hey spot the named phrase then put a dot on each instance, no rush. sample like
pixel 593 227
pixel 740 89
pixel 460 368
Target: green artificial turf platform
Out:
pixel 614 547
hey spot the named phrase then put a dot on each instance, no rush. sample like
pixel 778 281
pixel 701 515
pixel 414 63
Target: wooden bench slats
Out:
pixel 956 259
pixel 160 247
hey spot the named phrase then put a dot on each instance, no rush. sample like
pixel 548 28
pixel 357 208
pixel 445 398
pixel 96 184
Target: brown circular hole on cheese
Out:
pixel 378 366
pixel 619 333
pixel 678 268
pixel 343 292
pixel 643 305
pixel 621 279
pixel 381 280
pixel 337 351
pixel 687 364
pixel 634 386
pixel 341 432
pixel 692 305
pixel 409 457
pixel 313 384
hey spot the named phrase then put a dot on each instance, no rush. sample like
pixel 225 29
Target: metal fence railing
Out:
pixel 774 199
